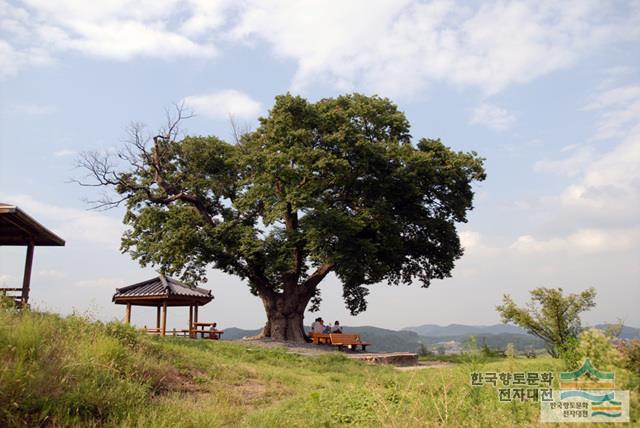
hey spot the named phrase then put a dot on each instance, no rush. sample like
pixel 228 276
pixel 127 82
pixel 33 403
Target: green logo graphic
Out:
pixel 587 377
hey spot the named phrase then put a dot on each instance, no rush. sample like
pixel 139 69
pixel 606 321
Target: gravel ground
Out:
pixel 309 349
pixel 298 348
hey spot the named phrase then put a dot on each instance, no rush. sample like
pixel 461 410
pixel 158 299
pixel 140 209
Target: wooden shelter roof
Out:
pixel 160 289
pixel 18 228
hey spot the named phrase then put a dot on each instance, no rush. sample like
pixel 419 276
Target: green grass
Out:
pixel 73 372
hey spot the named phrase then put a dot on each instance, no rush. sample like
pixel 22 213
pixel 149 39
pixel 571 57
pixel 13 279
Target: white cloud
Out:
pixel 13 60
pixel 34 109
pixel 469 238
pixel 6 280
pixel 582 241
pixel 394 48
pixel 71 224
pixel 113 29
pixel 64 152
pixel 570 166
pixel 111 283
pixel 614 97
pixel 492 117
pixel 50 274
pixel 609 186
pixel 399 47
pixel 599 210
pixel 221 105
pixel 619 109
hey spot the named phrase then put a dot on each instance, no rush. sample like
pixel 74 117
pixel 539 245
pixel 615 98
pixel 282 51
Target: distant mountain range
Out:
pixel 409 339
pixel 626 333
pixel 433 330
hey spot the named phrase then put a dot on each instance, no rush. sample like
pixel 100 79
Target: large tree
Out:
pixel 335 186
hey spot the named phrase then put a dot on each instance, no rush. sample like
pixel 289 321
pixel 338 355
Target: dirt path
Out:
pixel 308 349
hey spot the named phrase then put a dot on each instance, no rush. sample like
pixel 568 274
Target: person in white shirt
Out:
pixel 317 326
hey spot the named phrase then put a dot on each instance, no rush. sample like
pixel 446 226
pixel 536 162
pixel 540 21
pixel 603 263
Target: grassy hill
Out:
pixel 73 372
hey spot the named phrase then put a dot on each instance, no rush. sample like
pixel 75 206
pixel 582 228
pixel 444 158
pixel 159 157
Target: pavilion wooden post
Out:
pixel 164 318
pixel 158 317
pixel 190 320
pixel 195 314
pixel 127 314
pixel 26 280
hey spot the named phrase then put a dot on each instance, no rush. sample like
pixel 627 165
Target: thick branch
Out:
pixel 312 282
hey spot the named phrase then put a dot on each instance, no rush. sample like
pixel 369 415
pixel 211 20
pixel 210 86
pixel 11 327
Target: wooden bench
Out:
pixel 351 341
pixel 320 338
pixel 212 334
pixel 341 340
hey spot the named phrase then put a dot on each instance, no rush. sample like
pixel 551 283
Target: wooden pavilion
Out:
pixel 162 292
pixel 19 229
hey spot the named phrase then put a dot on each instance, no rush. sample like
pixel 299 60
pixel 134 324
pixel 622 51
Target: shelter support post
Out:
pixel 195 314
pixel 127 314
pixel 26 280
pixel 164 318
pixel 190 320
pixel 158 317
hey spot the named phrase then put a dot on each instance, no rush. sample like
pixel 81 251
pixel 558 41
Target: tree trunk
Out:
pixel 285 316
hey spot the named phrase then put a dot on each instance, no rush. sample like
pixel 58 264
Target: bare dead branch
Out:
pixel 238 130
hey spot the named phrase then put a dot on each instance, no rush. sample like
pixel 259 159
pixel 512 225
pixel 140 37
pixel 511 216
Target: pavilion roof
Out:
pixel 18 228
pixel 160 289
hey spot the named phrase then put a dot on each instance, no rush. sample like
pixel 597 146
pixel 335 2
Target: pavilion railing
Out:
pixel 16 298
pixel 154 331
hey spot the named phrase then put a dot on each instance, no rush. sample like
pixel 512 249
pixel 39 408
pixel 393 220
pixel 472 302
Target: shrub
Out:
pixel 569 354
pixel 510 351
pixel 125 333
pixel 596 346
pixel 423 350
pixel 630 355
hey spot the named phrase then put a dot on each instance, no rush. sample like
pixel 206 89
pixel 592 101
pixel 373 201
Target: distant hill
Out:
pixel 409 339
pixel 521 342
pixel 433 330
pixel 386 340
pixel 626 333
pixel 383 340
pixel 238 333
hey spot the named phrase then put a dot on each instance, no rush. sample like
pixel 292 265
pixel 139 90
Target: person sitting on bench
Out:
pixel 314 326
pixel 325 328
pixel 213 334
pixel 337 328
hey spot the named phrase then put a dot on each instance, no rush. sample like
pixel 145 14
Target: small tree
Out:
pixel 486 350
pixel 550 315
pixel 510 351
pixel 423 350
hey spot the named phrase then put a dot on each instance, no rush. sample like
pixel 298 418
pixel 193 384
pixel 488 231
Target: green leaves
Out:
pixel 336 183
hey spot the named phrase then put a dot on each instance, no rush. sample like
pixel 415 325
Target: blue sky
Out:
pixel 548 92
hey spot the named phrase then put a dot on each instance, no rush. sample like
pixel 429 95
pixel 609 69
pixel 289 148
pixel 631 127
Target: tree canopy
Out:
pixel 333 186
